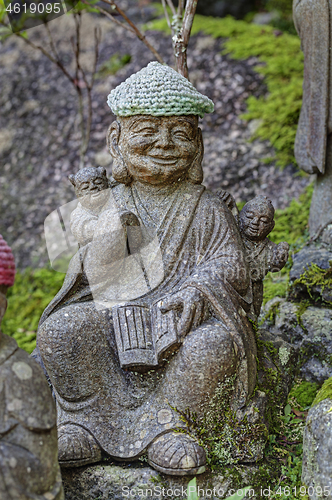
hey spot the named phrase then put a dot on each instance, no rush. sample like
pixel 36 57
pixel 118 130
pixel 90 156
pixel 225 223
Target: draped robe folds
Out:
pixel 27 420
pixel 201 248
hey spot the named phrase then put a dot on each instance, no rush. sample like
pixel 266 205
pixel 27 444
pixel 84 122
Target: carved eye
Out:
pixel 147 131
pixel 181 134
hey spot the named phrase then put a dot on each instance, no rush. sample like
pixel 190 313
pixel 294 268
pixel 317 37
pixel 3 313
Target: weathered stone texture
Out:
pixel 317 451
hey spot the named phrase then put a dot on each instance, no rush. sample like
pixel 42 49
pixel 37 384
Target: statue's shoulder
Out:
pixel 27 395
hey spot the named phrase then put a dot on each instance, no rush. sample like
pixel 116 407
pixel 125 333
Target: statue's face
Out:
pixel 91 190
pixel 158 150
pixel 256 221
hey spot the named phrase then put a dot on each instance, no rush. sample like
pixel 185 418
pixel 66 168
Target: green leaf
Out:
pixel 287 410
pixel 192 490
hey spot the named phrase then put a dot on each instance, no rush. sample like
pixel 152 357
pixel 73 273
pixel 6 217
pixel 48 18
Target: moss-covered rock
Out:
pixel 308 329
pixel 325 392
pixel 311 275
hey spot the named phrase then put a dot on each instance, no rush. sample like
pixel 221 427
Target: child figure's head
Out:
pixel 90 186
pixel 256 218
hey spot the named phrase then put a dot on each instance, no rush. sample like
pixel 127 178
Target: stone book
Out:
pixel 144 336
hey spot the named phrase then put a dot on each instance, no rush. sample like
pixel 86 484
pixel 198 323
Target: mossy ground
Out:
pixel 27 299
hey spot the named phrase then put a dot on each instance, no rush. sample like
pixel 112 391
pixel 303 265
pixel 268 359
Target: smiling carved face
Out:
pixel 91 188
pixel 256 220
pixel 158 150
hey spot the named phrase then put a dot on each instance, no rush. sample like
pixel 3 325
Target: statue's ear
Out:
pixel 71 177
pixel 119 169
pixel 272 225
pixel 195 174
pixel 101 171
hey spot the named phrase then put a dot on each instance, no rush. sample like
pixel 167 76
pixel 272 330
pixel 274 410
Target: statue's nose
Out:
pixel 164 139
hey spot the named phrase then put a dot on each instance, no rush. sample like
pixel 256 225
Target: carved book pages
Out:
pixel 144 336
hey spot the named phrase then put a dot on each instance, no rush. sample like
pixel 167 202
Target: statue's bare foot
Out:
pixel 76 446
pixel 177 454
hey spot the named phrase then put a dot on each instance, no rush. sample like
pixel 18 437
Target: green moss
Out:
pixel 113 64
pixel 315 277
pixel 275 286
pixel 324 393
pixel 304 393
pixel 292 221
pixel 283 70
pixel 27 299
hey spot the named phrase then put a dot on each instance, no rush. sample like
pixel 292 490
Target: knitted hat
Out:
pixel 158 90
pixel 7 264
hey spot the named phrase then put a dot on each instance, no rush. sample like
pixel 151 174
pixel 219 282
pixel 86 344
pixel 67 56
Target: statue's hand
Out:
pixel 190 302
pixel 280 255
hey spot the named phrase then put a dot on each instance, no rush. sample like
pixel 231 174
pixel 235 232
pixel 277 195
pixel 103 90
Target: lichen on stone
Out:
pixel 284 355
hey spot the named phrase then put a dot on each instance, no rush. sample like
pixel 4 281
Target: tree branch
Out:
pixel 188 20
pixel 138 33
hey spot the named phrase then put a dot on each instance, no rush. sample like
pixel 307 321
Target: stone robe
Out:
pixel 201 248
pixel 27 421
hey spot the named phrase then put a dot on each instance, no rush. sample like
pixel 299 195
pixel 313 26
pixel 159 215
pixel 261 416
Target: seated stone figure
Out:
pixel 256 222
pixel 29 466
pixel 103 408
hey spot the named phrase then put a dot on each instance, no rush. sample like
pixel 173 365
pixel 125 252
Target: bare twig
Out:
pixel 180 7
pixel 47 54
pixel 109 16
pixel 138 33
pixel 171 6
pixel 180 38
pixel 163 2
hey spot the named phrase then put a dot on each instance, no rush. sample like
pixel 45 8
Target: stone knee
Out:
pixel 69 343
pixel 206 358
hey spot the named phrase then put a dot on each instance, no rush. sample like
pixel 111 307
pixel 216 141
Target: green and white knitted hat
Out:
pixel 158 90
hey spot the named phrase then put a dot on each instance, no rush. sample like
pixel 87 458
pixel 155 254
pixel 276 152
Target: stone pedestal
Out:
pixel 136 481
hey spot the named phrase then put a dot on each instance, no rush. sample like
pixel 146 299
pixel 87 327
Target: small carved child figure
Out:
pixel 91 188
pixel 256 222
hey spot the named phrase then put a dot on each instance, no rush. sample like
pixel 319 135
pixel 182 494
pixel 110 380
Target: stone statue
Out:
pixel 91 188
pixel 124 368
pixel 263 256
pixel 28 438
pixel 313 144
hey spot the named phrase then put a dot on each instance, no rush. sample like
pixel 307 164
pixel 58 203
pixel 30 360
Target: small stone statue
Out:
pixel 106 407
pixel 29 466
pixel 313 144
pixel 256 222
pixel 91 188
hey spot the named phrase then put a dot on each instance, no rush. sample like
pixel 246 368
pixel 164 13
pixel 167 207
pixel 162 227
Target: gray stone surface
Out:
pixel 309 331
pixel 29 465
pixel 317 451
pixel 313 145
